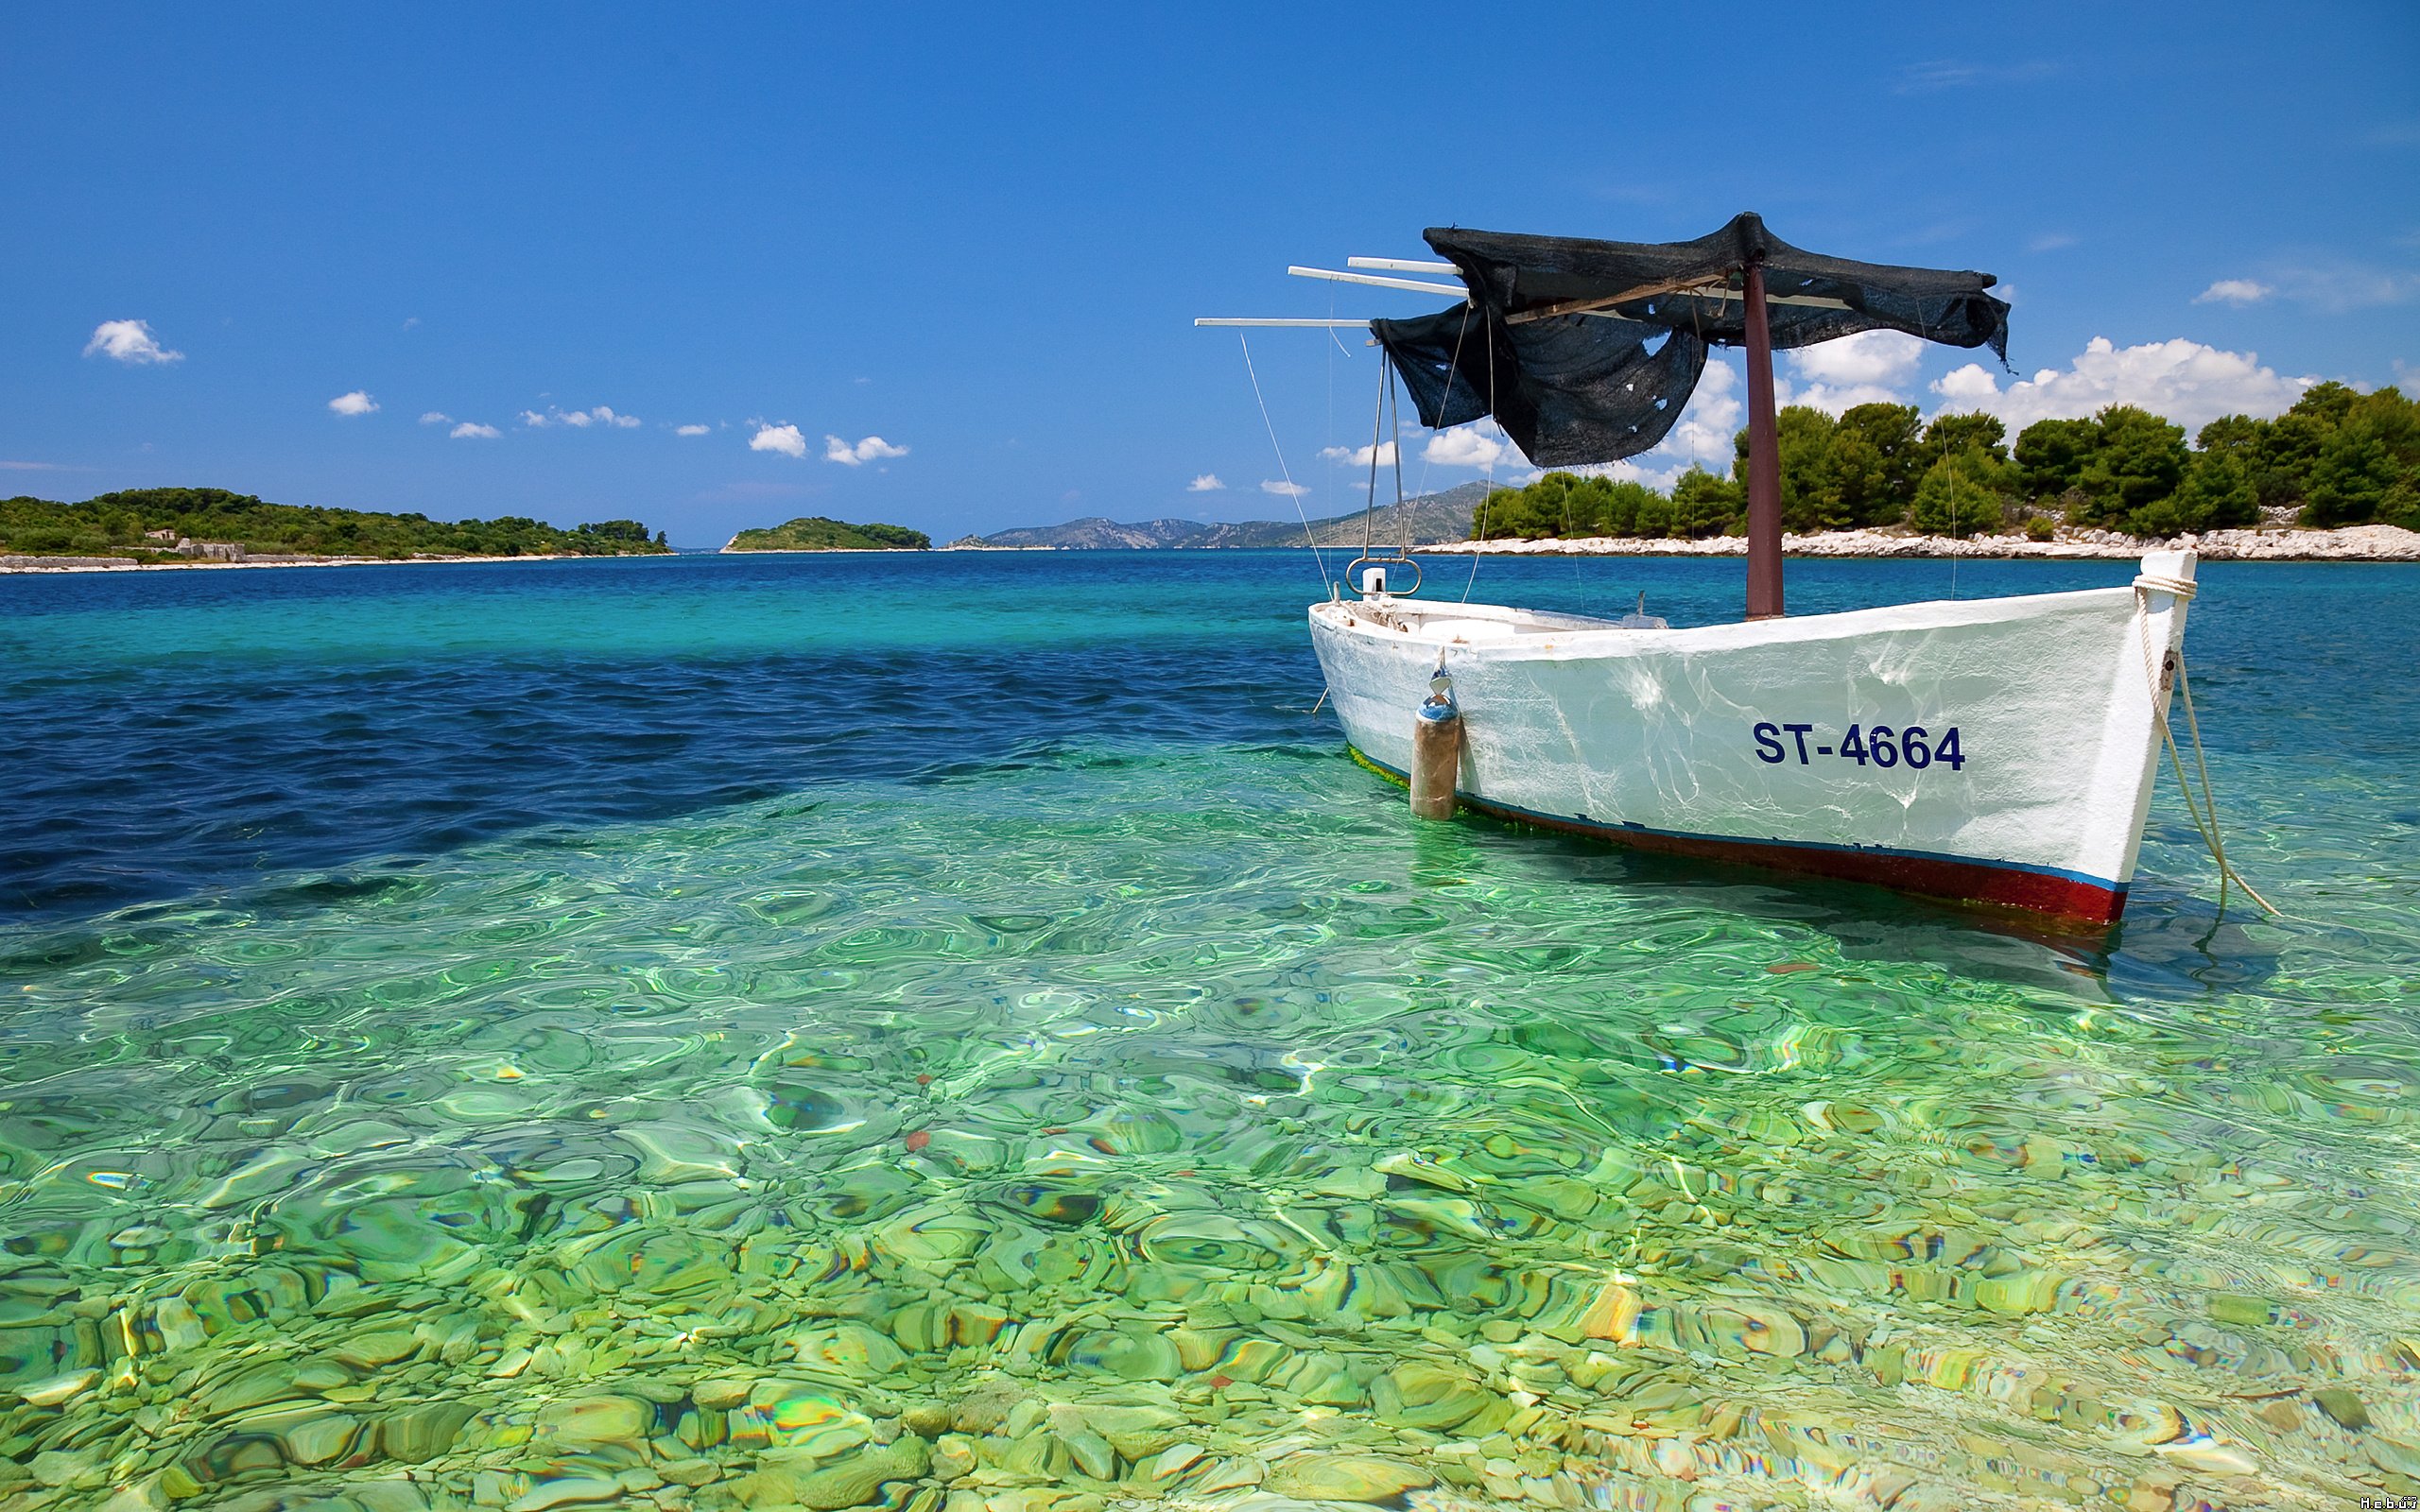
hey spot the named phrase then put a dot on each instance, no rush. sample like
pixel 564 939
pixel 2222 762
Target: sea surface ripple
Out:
pixel 955 1031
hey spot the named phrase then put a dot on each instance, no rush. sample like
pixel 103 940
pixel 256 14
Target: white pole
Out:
pixel 1413 284
pixel 1400 264
pixel 1347 325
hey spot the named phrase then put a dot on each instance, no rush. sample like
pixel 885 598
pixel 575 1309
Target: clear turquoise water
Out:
pixel 957 1031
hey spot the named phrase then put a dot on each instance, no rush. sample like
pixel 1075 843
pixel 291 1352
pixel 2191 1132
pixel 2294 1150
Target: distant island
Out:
pixel 816 533
pixel 188 528
pixel 1433 518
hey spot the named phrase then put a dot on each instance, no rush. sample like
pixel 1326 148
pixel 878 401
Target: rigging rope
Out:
pixel 1291 492
pixel 1477 533
pixel 1394 443
pixel 1377 434
pixel 1953 515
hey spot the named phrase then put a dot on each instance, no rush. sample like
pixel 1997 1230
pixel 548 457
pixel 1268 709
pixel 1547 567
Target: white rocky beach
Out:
pixel 2352 543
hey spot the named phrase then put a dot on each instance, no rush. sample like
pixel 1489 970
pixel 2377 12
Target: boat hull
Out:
pixel 1993 751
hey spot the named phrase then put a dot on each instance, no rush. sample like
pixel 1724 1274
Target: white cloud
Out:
pixel 131 342
pixel 1285 490
pixel 2184 381
pixel 1384 452
pixel 1870 367
pixel 1703 437
pixel 785 439
pixel 691 430
pixel 436 416
pixel 356 403
pixel 2334 286
pixel 1867 358
pixel 1969 388
pixel 1950 73
pixel 470 429
pixel 580 419
pixel 1206 483
pixel 1480 445
pixel 871 449
pixel 2234 291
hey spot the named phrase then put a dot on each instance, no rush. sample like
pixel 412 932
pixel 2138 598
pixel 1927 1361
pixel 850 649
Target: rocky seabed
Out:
pixel 2353 543
pixel 967 1323
pixel 933 1166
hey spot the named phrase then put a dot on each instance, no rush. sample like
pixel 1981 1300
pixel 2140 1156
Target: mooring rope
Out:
pixel 1290 491
pixel 2205 812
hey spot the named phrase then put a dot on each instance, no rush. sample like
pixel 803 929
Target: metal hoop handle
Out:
pixel 1352 574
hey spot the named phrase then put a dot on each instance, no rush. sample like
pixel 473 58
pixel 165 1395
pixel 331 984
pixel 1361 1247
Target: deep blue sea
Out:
pixel 927 1029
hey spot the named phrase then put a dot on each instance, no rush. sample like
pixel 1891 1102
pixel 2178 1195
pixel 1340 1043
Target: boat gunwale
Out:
pixel 1607 638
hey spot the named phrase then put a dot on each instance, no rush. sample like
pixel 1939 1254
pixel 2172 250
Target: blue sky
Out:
pixel 976 238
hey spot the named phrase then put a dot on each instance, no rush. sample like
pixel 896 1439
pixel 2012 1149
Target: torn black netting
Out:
pixel 1586 351
pixel 1564 388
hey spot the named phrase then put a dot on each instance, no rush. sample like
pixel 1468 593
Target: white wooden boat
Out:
pixel 1997 751
pixel 1994 750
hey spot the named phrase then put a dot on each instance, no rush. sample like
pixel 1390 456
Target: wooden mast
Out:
pixel 1764 458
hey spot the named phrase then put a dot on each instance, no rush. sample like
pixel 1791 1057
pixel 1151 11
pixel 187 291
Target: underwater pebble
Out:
pixel 2396 1457
pixel 569 1491
pixel 370 1351
pixel 60 1466
pixel 2343 1407
pixel 2221 1459
pixel 1233 1474
pixel 596 1420
pixel 318 1437
pixel 953 1456
pixel 721 1394
pixel 59 1389
pixel 851 1482
pixel 1347 1477
pixel 690 1472
pixel 415 1435
pixel 2012 1296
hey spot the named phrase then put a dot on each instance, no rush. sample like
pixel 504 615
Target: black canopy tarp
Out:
pixel 1586 351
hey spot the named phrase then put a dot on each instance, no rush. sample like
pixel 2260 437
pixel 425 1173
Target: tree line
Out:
pixel 2337 458
pixel 115 525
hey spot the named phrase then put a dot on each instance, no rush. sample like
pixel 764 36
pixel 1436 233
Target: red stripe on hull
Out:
pixel 1961 882
pixel 1966 882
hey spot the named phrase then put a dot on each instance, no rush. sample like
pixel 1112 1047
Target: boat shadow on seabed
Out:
pixel 2173 944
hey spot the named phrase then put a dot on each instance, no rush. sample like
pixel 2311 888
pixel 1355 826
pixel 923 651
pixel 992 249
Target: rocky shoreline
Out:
pixel 2352 543
pixel 103 564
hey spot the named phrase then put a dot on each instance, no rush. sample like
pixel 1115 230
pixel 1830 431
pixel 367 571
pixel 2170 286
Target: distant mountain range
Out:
pixel 1434 518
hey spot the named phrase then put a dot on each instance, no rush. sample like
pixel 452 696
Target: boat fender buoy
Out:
pixel 1436 751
